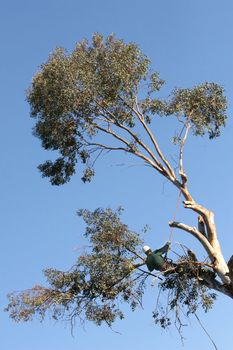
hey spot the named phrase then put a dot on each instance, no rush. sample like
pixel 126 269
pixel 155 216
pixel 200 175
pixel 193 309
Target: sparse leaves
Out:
pixel 100 280
pixel 88 174
pixel 204 106
pixel 186 293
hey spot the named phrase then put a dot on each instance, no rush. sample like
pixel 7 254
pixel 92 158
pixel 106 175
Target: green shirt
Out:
pixel 155 260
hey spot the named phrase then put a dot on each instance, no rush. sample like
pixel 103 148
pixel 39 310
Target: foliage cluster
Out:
pixel 97 283
pixel 107 276
pixel 186 292
pixel 83 95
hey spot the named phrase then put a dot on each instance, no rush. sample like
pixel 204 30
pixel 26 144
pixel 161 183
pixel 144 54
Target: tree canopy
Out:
pixel 107 87
pixel 104 97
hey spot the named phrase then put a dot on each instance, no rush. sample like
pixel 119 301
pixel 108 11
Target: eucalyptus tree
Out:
pixel 104 97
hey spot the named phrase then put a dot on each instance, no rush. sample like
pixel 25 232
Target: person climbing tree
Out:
pixel 155 259
pixel 102 98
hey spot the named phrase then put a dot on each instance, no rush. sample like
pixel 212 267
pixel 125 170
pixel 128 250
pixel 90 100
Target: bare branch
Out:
pixel 136 254
pixel 169 174
pixel 171 171
pixel 133 151
pixel 182 173
pixel 212 283
pixel 136 138
pixel 193 231
pixel 109 131
pixel 155 143
pixel 151 136
pixel 149 273
pixel 100 145
pixel 208 217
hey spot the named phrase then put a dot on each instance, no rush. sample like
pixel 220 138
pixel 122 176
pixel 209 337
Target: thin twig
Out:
pixel 136 138
pixel 204 329
pixel 149 273
pixel 151 136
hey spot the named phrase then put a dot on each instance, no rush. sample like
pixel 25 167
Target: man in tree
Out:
pixel 102 98
pixel 155 259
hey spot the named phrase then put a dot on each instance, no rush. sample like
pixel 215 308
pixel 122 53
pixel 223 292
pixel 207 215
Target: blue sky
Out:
pixel 188 42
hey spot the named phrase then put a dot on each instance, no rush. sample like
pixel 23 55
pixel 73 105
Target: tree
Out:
pixel 100 98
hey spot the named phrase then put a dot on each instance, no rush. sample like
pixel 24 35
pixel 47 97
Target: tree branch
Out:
pixel 208 217
pixel 149 273
pixel 151 136
pixel 136 138
pixel 153 140
pixel 182 173
pixel 210 243
pixel 132 150
pixel 209 281
pixel 100 145
pixel 193 231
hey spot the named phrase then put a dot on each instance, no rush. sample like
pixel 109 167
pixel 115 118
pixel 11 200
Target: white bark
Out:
pixel 157 160
pixel 210 243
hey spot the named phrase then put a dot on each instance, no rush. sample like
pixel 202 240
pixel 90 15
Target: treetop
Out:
pixel 105 87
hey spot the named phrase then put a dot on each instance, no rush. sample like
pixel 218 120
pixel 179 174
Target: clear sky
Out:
pixel 188 42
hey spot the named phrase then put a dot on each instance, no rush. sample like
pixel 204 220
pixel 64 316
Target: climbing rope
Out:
pixel 174 216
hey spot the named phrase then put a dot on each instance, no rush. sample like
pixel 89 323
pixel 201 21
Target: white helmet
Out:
pixel 146 248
